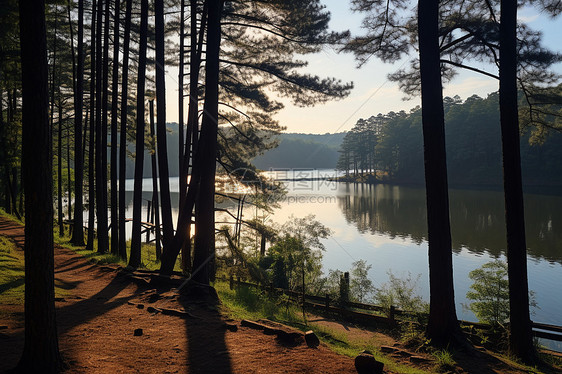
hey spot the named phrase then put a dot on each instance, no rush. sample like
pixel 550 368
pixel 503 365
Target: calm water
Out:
pixel 385 225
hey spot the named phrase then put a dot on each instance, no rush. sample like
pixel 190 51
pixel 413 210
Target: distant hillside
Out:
pixel 302 151
pixel 294 151
pixel 173 155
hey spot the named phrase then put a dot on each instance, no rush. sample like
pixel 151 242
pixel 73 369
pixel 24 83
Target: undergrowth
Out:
pixel 250 303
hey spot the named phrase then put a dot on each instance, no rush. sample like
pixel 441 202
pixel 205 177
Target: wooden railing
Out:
pixel 353 309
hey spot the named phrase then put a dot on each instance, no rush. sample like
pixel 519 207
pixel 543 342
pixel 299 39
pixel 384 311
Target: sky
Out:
pixel 373 93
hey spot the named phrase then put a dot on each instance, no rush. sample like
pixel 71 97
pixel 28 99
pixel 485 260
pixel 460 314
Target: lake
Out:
pixel 385 225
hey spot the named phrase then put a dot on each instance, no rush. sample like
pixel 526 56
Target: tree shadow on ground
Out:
pixel 207 351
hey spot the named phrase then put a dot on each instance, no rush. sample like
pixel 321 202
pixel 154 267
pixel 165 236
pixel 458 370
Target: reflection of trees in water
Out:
pixel 386 209
pixel 477 218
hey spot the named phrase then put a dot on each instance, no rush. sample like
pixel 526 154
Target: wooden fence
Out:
pixel 354 310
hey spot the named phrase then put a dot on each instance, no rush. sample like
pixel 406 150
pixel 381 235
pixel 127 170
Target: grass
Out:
pixel 445 361
pixel 12 268
pixel 250 303
pixel 12 275
pixel 148 253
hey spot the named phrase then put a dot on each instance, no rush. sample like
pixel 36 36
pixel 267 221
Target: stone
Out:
pixel 366 364
pixel 151 309
pixel 311 339
pixel 140 306
pixel 138 332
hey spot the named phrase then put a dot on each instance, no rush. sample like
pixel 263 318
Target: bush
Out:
pixel 490 292
pixel 401 293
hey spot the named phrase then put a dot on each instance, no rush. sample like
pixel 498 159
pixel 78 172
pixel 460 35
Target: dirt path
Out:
pixel 96 325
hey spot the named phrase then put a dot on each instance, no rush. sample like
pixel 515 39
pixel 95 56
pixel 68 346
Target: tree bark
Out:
pixel 101 183
pixel 204 253
pixel 135 257
pixel 166 206
pixel 103 239
pixel 78 229
pixel 182 177
pixel 41 350
pixel 521 337
pixel 155 204
pixel 113 161
pixel 59 169
pixel 123 132
pixel 443 327
pixel 92 137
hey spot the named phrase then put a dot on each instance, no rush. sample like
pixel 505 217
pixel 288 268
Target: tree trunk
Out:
pixel 78 229
pixel 123 132
pixel 155 204
pixel 443 327
pixel 135 257
pixel 59 170
pixel 521 337
pixel 3 155
pixel 166 207
pixel 92 145
pixel 103 239
pixel 182 177
pixel 204 253
pixel 68 175
pixel 41 351
pixel 101 184
pixel 114 95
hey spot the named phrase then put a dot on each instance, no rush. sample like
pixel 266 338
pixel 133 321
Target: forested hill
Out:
pixel 173 155
pixel 473 147
pixel 302 151
pixel 394 141
pixel 294 151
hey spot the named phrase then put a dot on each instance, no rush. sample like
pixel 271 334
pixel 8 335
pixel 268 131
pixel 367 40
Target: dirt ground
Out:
pixel 98 318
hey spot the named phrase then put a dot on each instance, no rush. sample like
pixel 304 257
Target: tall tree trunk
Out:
pixel 443 327
pixel 79 138
pixel 52 96
pixel 521 337
pixel 68 174
pixel 135 258
pixel 3 154
pixel 196 46
pixel 59 169
pixel 41 349
pixel 101 121
pixel 78 229
pixel 182 177
pixel 204 253
pixel 123 130
pixel 155 204
pixel 166 206
pixel 113 161
pixel 92 145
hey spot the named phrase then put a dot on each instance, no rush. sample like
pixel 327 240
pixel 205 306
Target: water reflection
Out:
pixel 477 218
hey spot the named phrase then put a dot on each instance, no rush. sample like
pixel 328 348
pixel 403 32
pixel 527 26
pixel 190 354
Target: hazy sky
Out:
pixel 373 93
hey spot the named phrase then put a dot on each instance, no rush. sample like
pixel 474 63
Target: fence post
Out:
pixel 231 282
pixel 391 313
pixel 344 288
